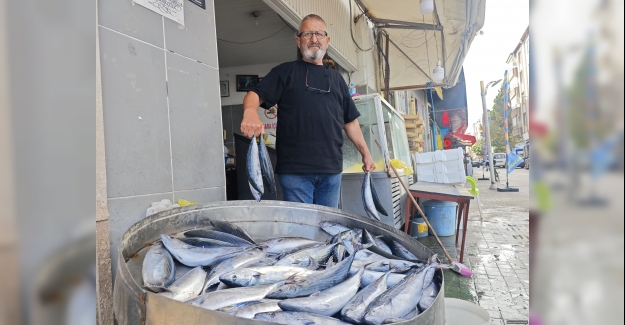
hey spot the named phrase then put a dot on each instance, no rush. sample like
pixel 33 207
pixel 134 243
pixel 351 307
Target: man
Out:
pixel 315 106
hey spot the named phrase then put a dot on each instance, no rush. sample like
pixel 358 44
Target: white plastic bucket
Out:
pixel 462 312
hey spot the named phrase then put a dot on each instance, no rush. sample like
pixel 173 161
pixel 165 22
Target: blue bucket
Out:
pixel 442 216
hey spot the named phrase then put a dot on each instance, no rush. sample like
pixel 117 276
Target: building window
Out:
pixel 525 119
pixel 514 122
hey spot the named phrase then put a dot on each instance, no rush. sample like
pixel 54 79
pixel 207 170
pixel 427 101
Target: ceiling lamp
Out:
pixel 255 14
pixel 426 6
pixel 439 73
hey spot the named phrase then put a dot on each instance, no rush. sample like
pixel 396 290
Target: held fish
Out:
pixel 267 169
pixel 327 302
pixel 158 268
pixel 232 229
pixel 254 174
pixel 367 198
pixel 188 286
pixel 218 235
pixel 354 310
pixel 376 199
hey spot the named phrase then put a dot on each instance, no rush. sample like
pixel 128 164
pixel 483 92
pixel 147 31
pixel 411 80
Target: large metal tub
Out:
pixel 134 305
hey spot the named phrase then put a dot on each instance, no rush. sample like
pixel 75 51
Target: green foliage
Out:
pixel 477 148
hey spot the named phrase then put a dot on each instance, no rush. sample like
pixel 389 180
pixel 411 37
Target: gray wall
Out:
pixel 161 106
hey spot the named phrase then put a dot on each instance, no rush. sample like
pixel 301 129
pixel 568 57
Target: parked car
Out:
pixel 499 160
pixel 477 163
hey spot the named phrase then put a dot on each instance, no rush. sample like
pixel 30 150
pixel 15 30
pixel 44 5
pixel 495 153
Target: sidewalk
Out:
pixel 497 251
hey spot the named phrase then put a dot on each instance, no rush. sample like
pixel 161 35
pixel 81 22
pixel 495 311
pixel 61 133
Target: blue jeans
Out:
pixel 320 189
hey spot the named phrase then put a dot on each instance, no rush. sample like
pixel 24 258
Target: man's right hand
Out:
pixel 251 124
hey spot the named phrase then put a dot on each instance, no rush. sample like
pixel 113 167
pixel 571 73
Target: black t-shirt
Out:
pixel 309 136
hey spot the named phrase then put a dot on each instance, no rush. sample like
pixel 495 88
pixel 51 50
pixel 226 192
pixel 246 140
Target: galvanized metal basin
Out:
pixel 134 305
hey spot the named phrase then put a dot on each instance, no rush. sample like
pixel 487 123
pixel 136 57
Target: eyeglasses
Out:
pixel 308 35
pixel 315 89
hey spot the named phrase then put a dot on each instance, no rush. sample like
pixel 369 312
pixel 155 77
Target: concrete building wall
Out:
pixel 161 115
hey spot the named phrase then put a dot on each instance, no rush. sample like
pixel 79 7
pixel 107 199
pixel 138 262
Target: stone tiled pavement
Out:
pixel 497 251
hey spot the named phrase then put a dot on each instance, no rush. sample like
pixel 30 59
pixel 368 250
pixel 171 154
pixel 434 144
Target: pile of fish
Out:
pixel 353 278
pixel 259 170
pixel 370 199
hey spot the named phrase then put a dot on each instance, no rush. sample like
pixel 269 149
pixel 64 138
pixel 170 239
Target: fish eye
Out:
pixel 234 277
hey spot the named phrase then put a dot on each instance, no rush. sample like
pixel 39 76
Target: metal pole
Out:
pixel 491 167
pixel 387 78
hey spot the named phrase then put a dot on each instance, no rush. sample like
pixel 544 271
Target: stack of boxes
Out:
pixel 440 166
pixel 414 130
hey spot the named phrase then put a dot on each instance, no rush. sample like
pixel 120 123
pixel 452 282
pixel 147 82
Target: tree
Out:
pixel 477 148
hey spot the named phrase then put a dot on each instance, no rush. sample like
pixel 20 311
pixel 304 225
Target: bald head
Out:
pixel 311 17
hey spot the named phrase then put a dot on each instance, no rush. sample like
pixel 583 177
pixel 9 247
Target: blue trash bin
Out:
pixel 442 216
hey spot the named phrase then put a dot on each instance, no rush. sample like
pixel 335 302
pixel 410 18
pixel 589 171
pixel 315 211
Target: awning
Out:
pixel 417 42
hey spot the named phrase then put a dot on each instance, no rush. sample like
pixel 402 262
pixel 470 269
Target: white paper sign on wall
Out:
pixel 172 9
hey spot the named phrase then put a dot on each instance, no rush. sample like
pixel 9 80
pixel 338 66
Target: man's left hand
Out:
pixel 368 165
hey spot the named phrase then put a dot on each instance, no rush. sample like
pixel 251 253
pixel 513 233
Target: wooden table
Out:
pixel 442 192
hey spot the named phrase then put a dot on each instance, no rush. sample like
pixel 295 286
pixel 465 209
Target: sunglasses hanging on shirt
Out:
pixel 319 90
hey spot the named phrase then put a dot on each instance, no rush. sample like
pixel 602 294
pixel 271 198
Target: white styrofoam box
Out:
pixel 427 178
pixel 448 155
pixel 426 169
pixel 451 178
pixel 445 167
pixel 424 158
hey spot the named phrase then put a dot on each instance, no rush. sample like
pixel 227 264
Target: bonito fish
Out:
pixel 197 256
pixel 354 310
pixel 228 297
pixel 298 318
pixel 231 264
pixel 254 173
pixel 158 268
pixel 232 229
pixel 327 302
pixel 367 198
pixel 398 300
pixel 188 286
pixel 254 276
pixel 317 281
pixel 267 169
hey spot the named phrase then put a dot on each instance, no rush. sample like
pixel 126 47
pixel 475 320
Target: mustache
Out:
pixel 317 44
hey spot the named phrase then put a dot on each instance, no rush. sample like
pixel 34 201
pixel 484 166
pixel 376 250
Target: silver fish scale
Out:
pixel 398 300
pixel 254 173
pixel 354 310
pixel 158 269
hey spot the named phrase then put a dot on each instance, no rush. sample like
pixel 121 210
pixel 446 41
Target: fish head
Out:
pixel 285 289
pixel 240 278
pixel 269 316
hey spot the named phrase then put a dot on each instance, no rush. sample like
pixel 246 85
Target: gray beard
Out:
pixel 314 56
